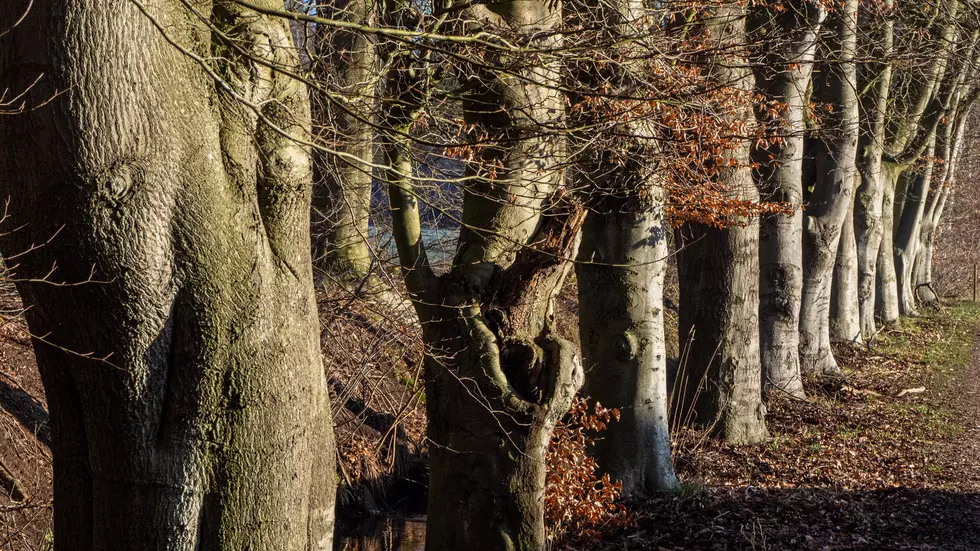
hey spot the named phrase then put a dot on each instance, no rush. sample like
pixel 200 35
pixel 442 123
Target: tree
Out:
pixel 172 304
pixel 718 271
pixel 911 197
pixel 892 112
pixel 831 158
pixel 345 67
pixel 788 38
pixel 622 257
pixel 498 376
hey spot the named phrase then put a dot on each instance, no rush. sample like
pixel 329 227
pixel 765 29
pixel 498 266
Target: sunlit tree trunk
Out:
pixel 845 316
pixel 721 381
pixel 783 74
pixel 620 279
pixel 346 68
pixel 832 157
pixel 498 376
pixel 177 338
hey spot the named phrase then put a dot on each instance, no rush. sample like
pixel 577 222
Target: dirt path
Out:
pixel 964 457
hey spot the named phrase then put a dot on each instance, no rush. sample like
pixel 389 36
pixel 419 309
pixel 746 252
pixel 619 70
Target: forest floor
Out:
pixel 886 458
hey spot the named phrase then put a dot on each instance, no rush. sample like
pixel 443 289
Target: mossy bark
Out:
pixel 177 337
pixel 498 376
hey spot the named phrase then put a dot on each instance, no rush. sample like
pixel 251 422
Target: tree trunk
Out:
pixel 907 234
pixel 784 75
pixel 886 281
pixel 721 383
pixel 498 377
pixel 845 319
pixel 620 282
pixel 177 338
pixel 873 116
pixel 832 155
pixel 346 69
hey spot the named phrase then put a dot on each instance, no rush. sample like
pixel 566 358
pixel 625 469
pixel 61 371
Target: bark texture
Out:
pixel 177 337
pixel 498 376
pixel 718 269
pixel 906 245
pixel 873 112
pixel 620 280
pixel 832 158
pixel 845 315
pixel 343 175
pixel 783 75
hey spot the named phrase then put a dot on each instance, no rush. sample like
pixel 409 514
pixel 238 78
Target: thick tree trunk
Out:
pixel 487 468
pixel 886 280
pixel 346 67
pixel 845 318
pixel 497 375
pixel 177 339
pixel 784 75
pixel 833 158
pixel 721 383
pixel 620 282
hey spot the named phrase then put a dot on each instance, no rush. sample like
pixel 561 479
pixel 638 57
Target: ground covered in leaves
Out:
pixel 886 458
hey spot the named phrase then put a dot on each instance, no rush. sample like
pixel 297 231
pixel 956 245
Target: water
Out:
pixel 440 243
pixel 381 534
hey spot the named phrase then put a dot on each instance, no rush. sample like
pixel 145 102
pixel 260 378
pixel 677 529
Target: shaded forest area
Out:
pixel 498 275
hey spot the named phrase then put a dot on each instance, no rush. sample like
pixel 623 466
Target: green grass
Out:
pixel 955 350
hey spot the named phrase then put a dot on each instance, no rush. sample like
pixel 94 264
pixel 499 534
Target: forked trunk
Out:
pixel 177 339
pixel 832 157
pixel 487 469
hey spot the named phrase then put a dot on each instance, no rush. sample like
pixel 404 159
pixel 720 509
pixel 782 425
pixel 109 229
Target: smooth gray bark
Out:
pixel 620 280
pixel 845 316
pixel 906 241
pixel 886 279
pixel 177 338
pixel 877 78
pixel 721 382
pixel 783 75
pixel 832 156
pixel 920 101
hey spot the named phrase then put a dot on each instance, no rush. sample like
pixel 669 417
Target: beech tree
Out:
pixel 171 304
pixel 831 177
pixel 892 112
pixel 345 67
pixel 788 37
pixel 718 271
